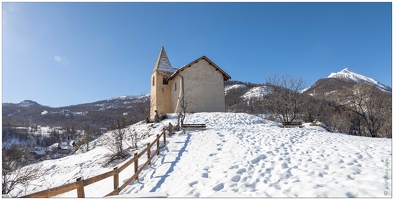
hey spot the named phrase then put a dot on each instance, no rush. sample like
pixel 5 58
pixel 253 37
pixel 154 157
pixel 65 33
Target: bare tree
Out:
pixel 371 107
pixel 87 136
pixel 185 100
pixel 284 99
pixel 15 169
pixel 316 109
pixel 184 105
pixel 135 137
pixel 117 138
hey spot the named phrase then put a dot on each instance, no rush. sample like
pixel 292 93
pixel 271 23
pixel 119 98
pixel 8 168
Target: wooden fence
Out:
pixel 80 184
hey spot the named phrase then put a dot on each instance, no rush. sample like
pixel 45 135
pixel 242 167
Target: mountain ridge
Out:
pixel 351 76
pixel 337 81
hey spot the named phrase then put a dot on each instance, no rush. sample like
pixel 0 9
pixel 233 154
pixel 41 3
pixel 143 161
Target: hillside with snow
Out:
pixel 351 76
pixel 251 91
pixel 239 155
pixel 99 113
pixel 235 86
pixel 256 92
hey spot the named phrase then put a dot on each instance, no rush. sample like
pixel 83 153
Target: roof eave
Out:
pixel 226 77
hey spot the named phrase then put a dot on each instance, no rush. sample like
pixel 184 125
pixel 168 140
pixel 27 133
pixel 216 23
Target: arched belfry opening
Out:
pixel 165 80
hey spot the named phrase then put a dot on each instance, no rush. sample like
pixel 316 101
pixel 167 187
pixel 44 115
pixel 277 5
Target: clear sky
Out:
pixel 61 54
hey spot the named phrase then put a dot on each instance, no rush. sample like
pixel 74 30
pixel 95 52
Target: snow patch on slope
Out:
pixel 235 86
pixel 305 89
pixel 256 92
pixel 28 104
pixel 130 97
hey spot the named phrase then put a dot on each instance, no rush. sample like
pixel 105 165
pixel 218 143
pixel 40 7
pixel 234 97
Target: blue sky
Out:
pixel 61 54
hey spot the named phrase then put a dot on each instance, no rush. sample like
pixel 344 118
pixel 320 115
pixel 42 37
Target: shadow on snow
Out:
pixel 171 168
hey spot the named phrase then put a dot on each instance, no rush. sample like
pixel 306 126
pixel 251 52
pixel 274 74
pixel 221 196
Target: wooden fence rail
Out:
pixel 79 184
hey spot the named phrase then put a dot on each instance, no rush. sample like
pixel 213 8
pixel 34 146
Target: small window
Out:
pixel 175 86
pixel 153 81
pixel 165 80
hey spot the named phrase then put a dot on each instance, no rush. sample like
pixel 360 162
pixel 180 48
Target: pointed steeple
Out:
pixel 163 63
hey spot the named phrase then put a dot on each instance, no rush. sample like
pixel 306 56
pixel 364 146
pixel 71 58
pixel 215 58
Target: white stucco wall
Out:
pixel 204 85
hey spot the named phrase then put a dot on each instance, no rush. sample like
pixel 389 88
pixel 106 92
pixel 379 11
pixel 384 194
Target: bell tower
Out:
pixel 160 95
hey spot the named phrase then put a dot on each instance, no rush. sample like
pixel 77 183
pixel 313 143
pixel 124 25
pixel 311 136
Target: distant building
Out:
pixel 37 153
pixel 66 147
pixel 201 82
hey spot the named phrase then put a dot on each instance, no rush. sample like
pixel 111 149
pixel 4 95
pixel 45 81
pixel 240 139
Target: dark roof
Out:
pixel 226 77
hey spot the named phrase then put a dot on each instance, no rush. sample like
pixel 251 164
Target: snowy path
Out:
pixel 243 155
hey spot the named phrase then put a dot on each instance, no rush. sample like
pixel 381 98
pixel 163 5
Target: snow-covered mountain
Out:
pixel 340 81
pixel 351 76
pixel 238 155
pixel 28 104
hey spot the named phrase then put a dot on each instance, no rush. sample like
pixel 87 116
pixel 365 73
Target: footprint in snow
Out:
pixel 284 165
pixel 193 183
pixel 236 178
pixel 240 171
pixel 268 170
pixel 218 187
pixel 256 160
pixel 234 166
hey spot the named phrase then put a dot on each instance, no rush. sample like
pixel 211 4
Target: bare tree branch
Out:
pixel 284 99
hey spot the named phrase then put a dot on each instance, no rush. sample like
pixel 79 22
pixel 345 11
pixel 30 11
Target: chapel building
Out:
pixel 200 84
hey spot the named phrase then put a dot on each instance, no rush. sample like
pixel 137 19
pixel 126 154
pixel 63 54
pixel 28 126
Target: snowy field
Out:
pixel 241 155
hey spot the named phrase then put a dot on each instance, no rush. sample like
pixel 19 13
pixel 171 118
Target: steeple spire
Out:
pixel 163 63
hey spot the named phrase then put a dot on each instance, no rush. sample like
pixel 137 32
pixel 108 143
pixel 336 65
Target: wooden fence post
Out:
pixel 80 190
pixel 136 164
pixel 149 153
pixel 164 135
pixel 116 180
pixel 158 147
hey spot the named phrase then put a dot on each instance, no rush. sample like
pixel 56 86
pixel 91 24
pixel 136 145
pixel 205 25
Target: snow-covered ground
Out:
pixel 241 155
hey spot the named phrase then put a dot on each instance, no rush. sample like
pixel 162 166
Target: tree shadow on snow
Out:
pixel 171 168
